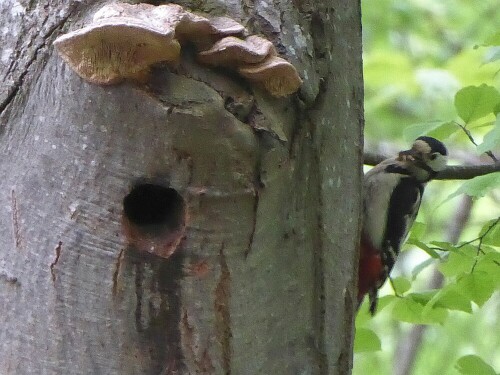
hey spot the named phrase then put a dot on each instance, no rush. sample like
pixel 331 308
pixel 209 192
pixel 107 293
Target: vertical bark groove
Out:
pixel 53 265
pixel 15 221
pixel 223 312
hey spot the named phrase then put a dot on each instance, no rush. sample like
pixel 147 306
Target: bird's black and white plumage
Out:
pixel 392 194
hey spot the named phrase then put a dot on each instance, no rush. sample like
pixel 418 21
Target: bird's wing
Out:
pixel 403 209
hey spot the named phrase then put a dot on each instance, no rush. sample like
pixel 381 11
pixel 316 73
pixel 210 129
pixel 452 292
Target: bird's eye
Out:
pixel 434 156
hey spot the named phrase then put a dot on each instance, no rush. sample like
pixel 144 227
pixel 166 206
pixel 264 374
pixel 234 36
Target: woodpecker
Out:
pixel 391 198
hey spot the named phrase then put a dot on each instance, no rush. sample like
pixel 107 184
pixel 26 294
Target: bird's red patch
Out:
pixel 370 268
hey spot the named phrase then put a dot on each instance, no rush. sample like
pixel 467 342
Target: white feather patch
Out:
pixel 378 188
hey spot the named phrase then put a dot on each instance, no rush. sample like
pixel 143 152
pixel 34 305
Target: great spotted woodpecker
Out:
pixel 392 194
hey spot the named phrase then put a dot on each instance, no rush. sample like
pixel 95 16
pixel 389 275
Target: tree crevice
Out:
pixel 223 312
pixel 18 83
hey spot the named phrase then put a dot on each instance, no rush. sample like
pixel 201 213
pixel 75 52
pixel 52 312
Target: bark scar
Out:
pixel 15 220
pixel 254 223
pixel 204 364
pixel 9 279
pixel 54 263
pixel 116 273
pixel 223 312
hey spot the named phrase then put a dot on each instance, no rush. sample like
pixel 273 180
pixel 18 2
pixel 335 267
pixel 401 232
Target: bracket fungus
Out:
pixel 233 52
pixel 124 40
pixel 119 44
pixel 204 32
pixel 277 75
pixel 254 58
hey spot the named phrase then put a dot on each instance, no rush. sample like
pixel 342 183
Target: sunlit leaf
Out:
pixel 417 230
pixel 366 340
pixel 437 129
pixel 478 186
pixel 449 298
pixel 493 40
pixel 478 286
pixel 401 284
pixel 385 301
pixel 473 365
pixel 409 310
pixel 424 247
pixel 474 102
pixel 490 264
pixel 363 313
pixel 444 130
pixel 423 298
pixel 456 263
pixel 491 139
pixel 493 236
pixel 443 245
pixel 461 64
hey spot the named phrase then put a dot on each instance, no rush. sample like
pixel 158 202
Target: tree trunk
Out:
pixel 263 279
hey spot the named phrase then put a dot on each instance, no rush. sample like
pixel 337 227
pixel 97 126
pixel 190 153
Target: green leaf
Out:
pixel 366 340
pixel 457 263
pixel 491 139
pixel 436 129
pixel 385 301
pixel 478 186
pixel 444 130
pixel 478 286
pixel 401 284
pixel 493 236
pixel 493 40
pixel 474 102
pixel 364 315
pixel 409 310
pixel 473 365
pixel 420 267
pixel 423 298
pixel 444 246
pixel 449 298
pixel 424 247
pixel 490 264
pixel 417 230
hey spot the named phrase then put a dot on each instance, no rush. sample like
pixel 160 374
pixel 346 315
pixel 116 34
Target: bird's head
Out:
pixel 426 157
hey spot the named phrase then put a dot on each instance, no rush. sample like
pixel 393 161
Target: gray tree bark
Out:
pixel 263 280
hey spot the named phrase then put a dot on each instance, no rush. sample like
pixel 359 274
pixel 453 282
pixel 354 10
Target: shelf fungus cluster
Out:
pixel 123 41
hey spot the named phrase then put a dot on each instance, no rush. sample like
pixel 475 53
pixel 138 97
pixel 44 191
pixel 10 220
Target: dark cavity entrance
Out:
pixel 150 205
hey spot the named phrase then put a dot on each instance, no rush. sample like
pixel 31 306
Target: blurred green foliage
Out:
pixel 433 67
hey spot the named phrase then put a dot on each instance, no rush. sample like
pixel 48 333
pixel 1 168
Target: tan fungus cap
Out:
pixel 277 75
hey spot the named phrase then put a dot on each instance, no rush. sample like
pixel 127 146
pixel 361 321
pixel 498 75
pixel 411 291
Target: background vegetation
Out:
pixel 432 67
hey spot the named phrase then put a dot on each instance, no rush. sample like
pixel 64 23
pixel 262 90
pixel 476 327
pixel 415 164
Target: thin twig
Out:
pixel 479 249
pixel 481 238
pixel 471 138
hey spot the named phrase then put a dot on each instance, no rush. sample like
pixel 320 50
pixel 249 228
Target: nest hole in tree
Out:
pixel 154 209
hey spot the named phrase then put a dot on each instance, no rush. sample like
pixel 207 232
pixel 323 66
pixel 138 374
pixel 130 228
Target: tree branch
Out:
pixel 453 172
